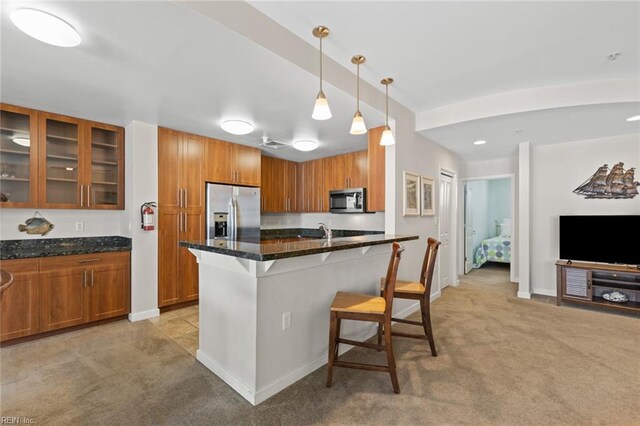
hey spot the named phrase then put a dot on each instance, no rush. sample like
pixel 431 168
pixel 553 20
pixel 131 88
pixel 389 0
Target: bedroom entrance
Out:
pixel 488 213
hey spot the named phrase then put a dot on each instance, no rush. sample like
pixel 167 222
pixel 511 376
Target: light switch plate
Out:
pixel 79 226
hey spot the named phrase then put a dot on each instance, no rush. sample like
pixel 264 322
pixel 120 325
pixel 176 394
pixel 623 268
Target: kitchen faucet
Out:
pixel 327 231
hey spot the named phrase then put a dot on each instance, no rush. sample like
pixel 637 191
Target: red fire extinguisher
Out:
pixel 146 214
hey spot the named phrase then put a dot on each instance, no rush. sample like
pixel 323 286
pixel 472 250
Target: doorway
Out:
pixel 488 225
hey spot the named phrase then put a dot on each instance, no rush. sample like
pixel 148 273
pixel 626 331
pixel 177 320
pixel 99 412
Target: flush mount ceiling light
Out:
pixel 305 145
pixel 45 27
pixel 321 109
pixel 480 142
pixel 387 135
pixel 357 125
pixel 22 141
pixel 634 118
pixel 237 127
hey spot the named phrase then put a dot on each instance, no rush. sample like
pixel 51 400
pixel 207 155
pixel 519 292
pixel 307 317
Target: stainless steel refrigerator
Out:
pixel 233 212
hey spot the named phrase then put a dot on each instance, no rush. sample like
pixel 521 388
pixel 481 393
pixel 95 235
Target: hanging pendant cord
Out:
pixel 387 105
pixel 358 88
pixel 321 64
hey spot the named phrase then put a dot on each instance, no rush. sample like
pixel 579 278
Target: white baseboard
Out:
pixel 544 292
pixel 524 295
pixel 229 378
pixel 139 316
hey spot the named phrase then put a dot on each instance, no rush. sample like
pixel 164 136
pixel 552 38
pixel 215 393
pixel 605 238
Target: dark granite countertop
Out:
pixel 45 247
pixel 267 234
pixel 265 250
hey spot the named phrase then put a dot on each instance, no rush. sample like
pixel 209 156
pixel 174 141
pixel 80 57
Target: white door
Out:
pixel 469 231
pixel 444 253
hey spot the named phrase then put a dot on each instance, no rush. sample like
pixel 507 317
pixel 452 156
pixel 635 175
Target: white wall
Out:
pixel 483 169
pixel 364 222
pixel 96 223
pixel 556 170
pixel 499 203
pixel 141 177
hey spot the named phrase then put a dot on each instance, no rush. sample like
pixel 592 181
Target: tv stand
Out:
pixel 585 283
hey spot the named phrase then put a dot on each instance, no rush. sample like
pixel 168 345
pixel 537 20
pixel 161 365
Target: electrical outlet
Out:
pixel 286 320
pixel 79 226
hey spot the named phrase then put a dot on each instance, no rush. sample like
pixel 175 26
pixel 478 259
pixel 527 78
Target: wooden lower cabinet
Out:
pixel 177 267
pixel 19 301
pixel 52 293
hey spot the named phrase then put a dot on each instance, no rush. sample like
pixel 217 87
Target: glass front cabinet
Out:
pixel 59 162
pixel 18 157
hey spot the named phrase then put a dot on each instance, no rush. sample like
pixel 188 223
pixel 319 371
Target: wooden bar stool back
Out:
pixel 364 307
pixel 420 291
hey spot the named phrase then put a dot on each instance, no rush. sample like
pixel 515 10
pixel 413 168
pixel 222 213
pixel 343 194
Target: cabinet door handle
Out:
pixel 186 222
pixel 89 260
pixel 88 195
pixel 92 278
pixel 186 198
pixel 179 223
pixel 81 195
pixel 84 279
pixel 308 204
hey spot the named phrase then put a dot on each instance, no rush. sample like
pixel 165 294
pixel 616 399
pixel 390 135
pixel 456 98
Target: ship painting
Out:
pixel 614 183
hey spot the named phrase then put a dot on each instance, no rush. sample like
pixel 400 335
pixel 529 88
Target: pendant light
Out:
pixel 321 109
pixel 387 135
pixel 357 125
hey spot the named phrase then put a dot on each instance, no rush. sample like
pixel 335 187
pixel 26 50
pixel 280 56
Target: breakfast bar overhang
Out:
pixel 264 308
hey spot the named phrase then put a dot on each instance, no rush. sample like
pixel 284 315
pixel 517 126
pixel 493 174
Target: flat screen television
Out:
pixel 606 239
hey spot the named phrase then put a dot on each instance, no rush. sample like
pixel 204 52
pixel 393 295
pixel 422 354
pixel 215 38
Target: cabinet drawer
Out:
pixel 17 266
pixel 82 260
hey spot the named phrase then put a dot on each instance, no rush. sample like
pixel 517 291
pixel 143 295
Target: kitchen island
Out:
pixel 264 306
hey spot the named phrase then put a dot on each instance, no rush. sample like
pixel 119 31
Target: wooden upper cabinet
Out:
pixel 19 152
pixel 19 314
pixel 320 197
pixel 219 165
pixel 59 162
pixel 169 184
pixel 232 163
pixel 247 165
pixel 192 171
pixel 356 169
pixel 279 187
pixel 104 174
pixel 63 162
pixel 376 171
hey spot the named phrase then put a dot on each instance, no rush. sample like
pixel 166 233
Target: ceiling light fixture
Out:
pixel 237 127
pixel 45 27
pixel 305 145
pixel 480 142
pixel 634 118
pixel 357 125
pixel 387 136
pixel 22 141
pixel 321 110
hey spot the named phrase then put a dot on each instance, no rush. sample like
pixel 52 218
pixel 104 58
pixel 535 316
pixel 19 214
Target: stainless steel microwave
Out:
pixel 352 200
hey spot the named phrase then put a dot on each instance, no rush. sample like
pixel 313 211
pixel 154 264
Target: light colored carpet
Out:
pixel 501 361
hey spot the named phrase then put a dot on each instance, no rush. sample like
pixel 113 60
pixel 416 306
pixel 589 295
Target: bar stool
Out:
pixel 363 307
pixel 417 291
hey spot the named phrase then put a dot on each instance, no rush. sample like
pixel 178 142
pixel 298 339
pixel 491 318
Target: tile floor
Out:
pixel 181 325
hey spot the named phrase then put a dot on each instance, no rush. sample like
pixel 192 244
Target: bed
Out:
pixel 495 249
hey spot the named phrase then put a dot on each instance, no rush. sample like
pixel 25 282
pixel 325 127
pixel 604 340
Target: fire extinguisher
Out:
pixel 146 216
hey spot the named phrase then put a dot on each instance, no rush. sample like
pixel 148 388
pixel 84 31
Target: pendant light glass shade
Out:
pixel 387 136
pixel 357 125
pixel 321 110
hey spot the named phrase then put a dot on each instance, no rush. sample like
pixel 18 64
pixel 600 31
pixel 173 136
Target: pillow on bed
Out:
pixel 505 229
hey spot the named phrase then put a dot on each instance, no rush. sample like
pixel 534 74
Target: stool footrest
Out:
pixel 361 344
pixel 413 336
pixel 406 321
pixel 358 366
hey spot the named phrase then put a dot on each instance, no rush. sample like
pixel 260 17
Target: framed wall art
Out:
pixel 411 194
pixel 427 201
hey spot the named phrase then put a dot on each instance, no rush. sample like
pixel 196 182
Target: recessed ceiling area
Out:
pixel 178 70
pixel 503 133
pixel 446 52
